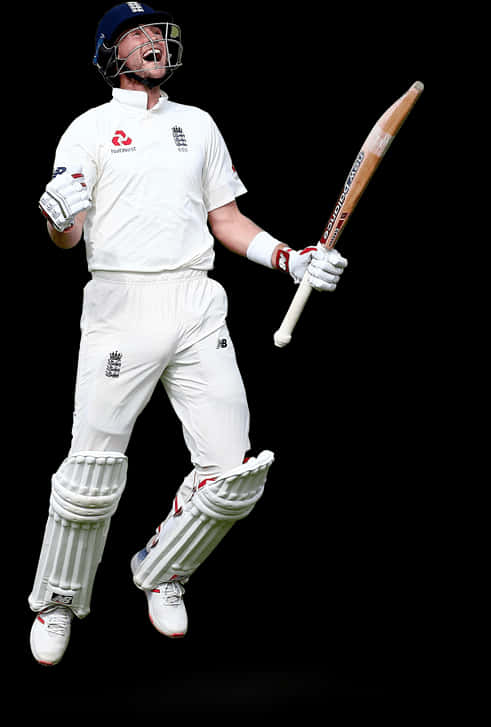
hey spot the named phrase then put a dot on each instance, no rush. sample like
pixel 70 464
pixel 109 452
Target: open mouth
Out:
pixel 153 56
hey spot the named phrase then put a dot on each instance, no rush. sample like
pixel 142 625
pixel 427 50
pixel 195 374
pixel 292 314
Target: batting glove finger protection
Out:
pixel 66 195
pixel 325 269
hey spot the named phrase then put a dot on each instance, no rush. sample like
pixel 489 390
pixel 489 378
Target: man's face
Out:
pixel 144 50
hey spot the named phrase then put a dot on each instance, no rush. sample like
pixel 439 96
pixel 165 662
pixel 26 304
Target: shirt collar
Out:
pixel 136 99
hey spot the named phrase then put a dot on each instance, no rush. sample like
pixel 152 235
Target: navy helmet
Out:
pixel 127 16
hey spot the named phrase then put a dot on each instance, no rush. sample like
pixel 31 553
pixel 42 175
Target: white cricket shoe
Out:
pixel 50 634
pixel 166 608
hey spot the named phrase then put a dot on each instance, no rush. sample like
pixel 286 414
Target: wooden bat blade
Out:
pixel 368 158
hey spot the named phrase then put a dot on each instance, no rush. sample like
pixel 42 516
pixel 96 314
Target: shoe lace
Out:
pixel 171 592
pixel 58 623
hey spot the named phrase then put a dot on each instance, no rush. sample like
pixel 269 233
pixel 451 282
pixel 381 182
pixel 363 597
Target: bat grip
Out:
pixel 283 335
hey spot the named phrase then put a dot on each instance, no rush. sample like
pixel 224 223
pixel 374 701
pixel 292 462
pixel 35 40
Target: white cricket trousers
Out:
pixel 141 328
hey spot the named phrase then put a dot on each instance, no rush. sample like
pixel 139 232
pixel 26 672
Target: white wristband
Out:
pixel 261 249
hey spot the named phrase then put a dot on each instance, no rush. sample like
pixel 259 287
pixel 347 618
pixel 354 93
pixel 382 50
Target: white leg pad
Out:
pixel 85 493
pixel 192 532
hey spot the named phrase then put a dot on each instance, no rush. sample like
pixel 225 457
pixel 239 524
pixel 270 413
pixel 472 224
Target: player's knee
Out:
pixel 88 485
pixel 97 436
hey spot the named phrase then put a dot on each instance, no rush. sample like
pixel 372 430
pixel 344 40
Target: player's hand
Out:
pixel 322 267
pixel 65 196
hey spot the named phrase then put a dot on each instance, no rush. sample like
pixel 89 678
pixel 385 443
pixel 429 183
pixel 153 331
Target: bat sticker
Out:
pixel 339 204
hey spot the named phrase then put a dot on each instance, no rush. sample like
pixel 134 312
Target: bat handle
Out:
pixel 283 335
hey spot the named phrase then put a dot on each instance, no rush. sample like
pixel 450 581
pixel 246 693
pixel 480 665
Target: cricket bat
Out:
pixel 363 169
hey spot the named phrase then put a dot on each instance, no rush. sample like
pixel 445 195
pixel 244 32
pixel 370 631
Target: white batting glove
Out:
pixel 322 267
pixel 65 196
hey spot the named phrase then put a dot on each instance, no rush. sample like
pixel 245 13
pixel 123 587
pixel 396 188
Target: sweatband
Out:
pixel 261 249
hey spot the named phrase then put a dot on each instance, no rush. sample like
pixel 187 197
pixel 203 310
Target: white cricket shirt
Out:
pixel 153 176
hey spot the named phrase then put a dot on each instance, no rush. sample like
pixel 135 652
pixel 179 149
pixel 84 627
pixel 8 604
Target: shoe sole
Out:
pixel 169 636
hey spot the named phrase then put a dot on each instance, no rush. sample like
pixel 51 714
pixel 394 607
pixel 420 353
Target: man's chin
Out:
pixel 149 78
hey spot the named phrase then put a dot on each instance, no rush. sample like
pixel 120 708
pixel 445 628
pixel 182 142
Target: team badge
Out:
pixel 179 138
pixel 113 366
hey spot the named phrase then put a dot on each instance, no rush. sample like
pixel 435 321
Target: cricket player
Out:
pixel 149 184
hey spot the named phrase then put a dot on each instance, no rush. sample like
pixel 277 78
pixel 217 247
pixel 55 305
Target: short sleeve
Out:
pixel 75 149
pixel 221 183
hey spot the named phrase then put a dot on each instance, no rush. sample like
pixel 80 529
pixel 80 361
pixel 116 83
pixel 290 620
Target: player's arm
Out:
pixel 69 237
pixel 64 204
pixel 233 229
pixel 241 235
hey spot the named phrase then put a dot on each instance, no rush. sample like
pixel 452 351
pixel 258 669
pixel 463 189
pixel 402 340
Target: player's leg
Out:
pixel 85 493
pixel 116 375
pixel 122 354
pixel 190 534
pixel 206 389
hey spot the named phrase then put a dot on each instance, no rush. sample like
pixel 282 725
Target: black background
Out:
pixel 320 593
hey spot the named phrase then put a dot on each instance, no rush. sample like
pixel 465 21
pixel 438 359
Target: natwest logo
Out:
pixel 121 138
pixel 122 141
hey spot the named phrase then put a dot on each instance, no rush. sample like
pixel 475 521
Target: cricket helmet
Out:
pixel 125 17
